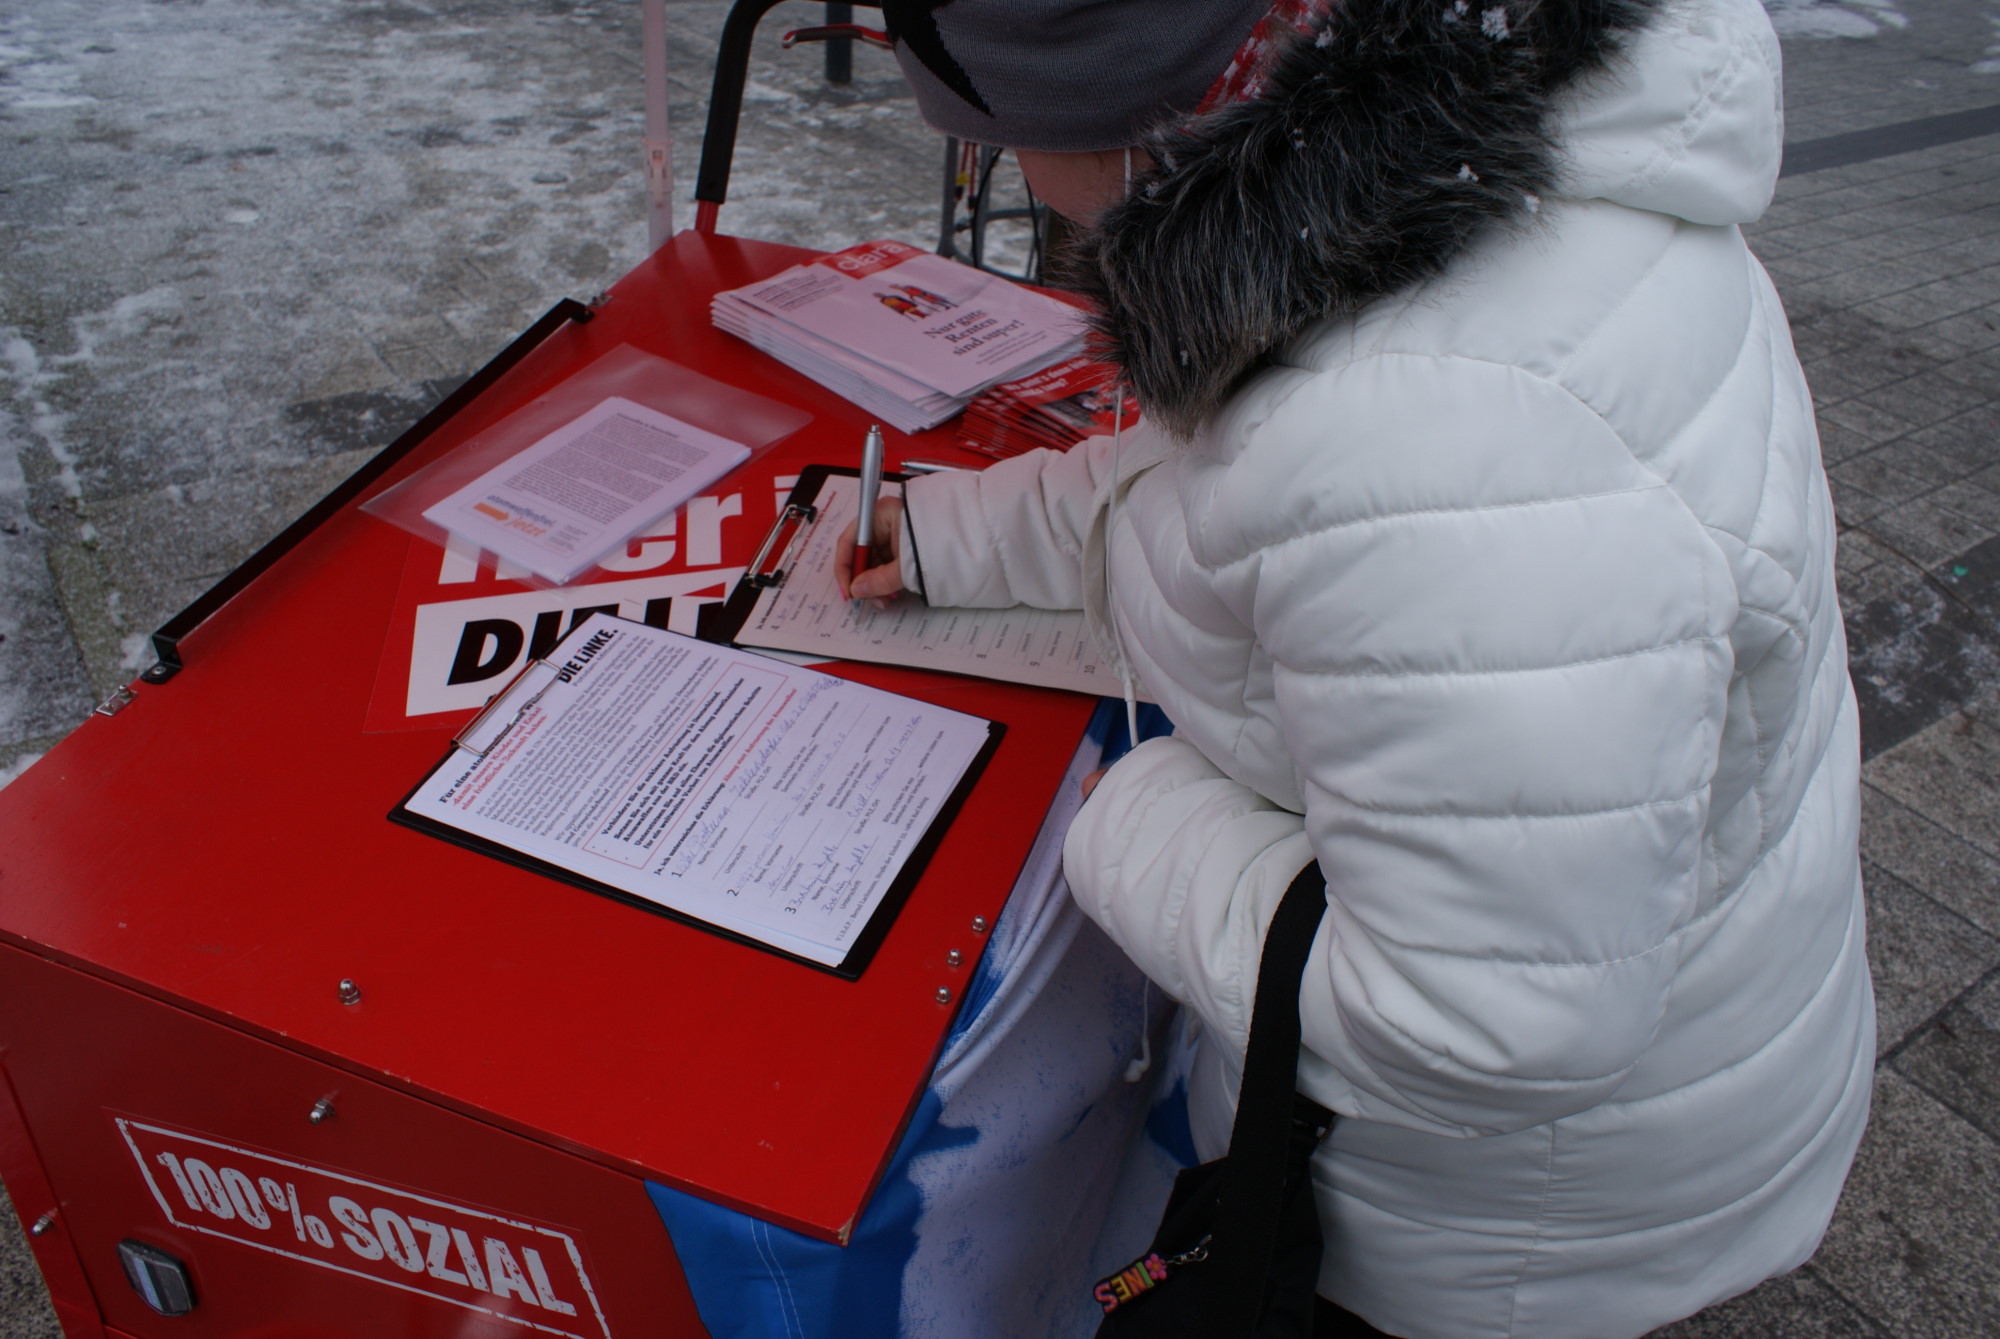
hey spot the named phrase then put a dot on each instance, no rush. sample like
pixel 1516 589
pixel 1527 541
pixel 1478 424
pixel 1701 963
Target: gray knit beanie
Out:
pixel 1063 75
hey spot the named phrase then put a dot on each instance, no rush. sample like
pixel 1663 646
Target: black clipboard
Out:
pixel 772 564
pixel 859 954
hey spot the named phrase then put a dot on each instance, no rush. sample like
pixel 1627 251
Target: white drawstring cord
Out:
pixel 1135 1069
pixel 1111 529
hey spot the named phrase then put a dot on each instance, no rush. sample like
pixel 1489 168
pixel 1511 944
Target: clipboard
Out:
pixel 785 601
pixel 777 555
pixel 498 720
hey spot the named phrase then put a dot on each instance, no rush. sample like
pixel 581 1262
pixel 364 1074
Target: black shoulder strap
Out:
pixel 1253 1183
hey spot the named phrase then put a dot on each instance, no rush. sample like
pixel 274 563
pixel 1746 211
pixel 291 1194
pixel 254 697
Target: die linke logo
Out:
pixel 861 261
pixel 514 1271
pixel 464 627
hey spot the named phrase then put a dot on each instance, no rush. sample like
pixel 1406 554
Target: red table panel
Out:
pixel 222 844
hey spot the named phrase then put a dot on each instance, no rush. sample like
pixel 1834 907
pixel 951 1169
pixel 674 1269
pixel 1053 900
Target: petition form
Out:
pixel 767 799
pixel 1048 648
pixel 584 489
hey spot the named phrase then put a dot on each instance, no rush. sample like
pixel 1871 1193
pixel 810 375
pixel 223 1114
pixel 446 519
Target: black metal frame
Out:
pixel 725 95
pixel 725 115
pixel 975 192
pixel 166 642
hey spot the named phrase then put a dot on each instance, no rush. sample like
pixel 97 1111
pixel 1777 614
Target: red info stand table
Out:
pixel 185 885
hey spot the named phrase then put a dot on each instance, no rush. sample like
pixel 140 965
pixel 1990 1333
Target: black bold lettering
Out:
pixel 473 662
pixel 582 614
pixel 548 631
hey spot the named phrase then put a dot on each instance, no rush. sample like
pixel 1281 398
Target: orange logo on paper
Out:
pixel 494 512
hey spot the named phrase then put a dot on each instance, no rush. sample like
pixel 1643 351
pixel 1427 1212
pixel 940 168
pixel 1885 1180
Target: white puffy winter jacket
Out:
pixel 1510 600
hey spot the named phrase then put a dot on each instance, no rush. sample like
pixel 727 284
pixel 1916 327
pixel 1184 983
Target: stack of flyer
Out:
pixel 1056 407
pixel 909 336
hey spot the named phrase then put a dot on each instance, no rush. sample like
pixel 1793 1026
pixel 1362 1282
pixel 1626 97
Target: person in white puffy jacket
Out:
pixel 1475 538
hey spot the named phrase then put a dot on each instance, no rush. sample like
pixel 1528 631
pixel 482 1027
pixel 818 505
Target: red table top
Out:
pixel 223 843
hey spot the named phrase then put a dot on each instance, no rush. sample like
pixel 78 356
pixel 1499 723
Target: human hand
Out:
pixel 1090 782
pixel 884 576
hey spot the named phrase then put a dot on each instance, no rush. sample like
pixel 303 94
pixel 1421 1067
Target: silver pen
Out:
pixel 935 467
pixel 871 485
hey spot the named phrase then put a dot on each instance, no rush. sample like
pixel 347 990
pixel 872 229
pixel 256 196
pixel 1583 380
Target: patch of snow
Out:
pixel 1989 63
pixel 135 652
pixel 32 77
pixel 19 360
pixel 34 375
pixel 128 316
pixel 1834 18
pixel 12 771
pixel 240 216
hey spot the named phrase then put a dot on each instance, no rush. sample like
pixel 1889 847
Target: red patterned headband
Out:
pixel 1243 78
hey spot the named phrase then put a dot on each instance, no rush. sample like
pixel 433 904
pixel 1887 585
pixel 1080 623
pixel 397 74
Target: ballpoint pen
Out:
pixel 871 484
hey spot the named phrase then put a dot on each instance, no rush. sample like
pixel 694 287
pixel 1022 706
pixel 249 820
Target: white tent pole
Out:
pixel 659 136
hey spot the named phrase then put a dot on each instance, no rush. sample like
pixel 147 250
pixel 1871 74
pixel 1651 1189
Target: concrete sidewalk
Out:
pixel 243 244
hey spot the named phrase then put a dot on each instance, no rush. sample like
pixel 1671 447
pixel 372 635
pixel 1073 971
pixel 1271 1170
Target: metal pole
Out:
pixel 948 215
pixel 659 138
pixel 839 50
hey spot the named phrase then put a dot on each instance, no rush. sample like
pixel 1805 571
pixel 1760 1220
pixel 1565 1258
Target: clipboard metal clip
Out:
pixel 468 737
pixel 795 518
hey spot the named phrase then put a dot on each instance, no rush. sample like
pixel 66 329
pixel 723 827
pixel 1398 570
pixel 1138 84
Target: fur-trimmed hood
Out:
pixel 1382 147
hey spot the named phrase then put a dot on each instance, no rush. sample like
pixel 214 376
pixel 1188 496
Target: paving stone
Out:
pixel 1902 842
pixel 1792 1306
pixel 1871 420
pixel 1911 459
pixel 1856 553
pixel 1911 1244
pixel 1815 340
pixel 1791 266
pixel 1853 506
pixel 24 1299
pixel 1892 244
pixel 1837 443
pixel 1832 381
pixel 1863 281
pixel 1881 475
pixel 1972 331
pixel 1916 656
pixel 1968 441
pixel 43 688
pixel 1973 579
pixel 1925 399
pixel 1922 305
pixel 1873 584
pixel 1975 504
pixel 1927 531
pixel 1957 1058
pixel 1950 771
pixel 1978 373
pixel 1921 955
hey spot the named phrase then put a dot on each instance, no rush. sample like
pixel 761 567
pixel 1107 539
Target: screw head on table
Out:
pixel 979 925
pixel 953 958
pixel 41 1226
pixel 349 992
pixel 944 994
pixel 322 1111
